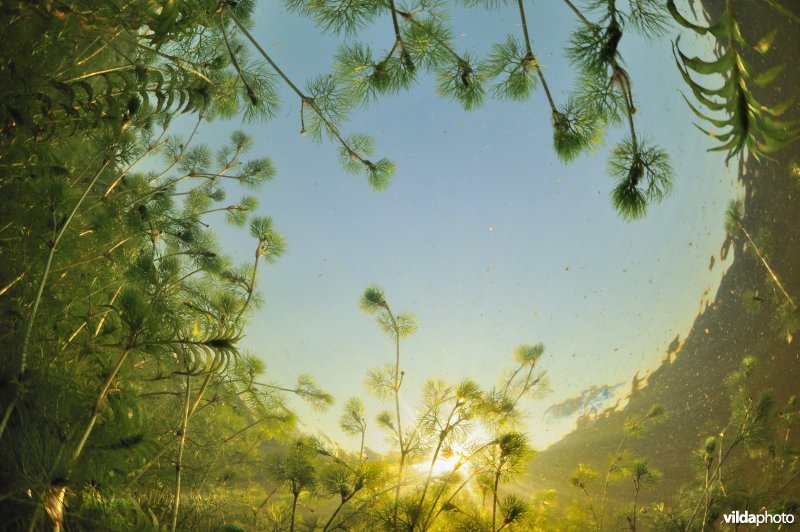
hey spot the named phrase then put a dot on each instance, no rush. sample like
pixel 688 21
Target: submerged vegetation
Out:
pixel 126 401
pixel 762 129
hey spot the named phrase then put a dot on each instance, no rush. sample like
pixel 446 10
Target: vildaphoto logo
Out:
pixel 763 518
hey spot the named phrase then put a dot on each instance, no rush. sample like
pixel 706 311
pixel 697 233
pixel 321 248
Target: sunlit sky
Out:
pixel 483 233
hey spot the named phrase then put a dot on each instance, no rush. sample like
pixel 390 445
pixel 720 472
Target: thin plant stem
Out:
pixel 100 73
pixel 181 447
pixel 266 499
pixel 303 97
pixel 591 506
pixel 442 436
pixel 581 16
pixel 169 444
pixel 295 496
pixel 157 144
pixel 763 260
pixel 398 381
pixel 395 24
pixel 251 287
pixel 724 457
pixel 608 472
pixel 430 517
pixel 532 57
pixel 99 401
pixel 29 326
pixel 7 287
pixel 494 498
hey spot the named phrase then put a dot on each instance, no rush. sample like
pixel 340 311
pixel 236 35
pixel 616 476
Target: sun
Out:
pixel 450 460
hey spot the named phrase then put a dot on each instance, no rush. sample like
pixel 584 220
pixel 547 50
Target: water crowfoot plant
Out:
pixel 644 175
pixel 374 302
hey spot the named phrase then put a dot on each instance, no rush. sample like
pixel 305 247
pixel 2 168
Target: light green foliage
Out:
pixel 237 213
pixel 327 106
pixel 636 427
pixel 528 355
pixel 402 326
pixel 308 389
pixel 643 474
pixel 468 428
pixel 368 76
pixel 380 381
pixel 514 68
pixel 513 510
pixel 786 320
pixel 293 466
pixel 582 477
pixel 424 39
pixel 360 145
pixel 590 50
pixel 271 245
pixel 352 421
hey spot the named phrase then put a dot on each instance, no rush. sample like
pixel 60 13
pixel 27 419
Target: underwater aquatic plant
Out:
pixel 620 465
pixel 642 474
pixel 734 225
pixel 644 175
pixel 574 131
pixel 373 301
pixel 762 129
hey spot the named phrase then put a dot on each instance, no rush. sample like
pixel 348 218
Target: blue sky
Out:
pixel 483 233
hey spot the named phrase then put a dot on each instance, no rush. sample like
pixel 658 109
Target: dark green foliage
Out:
pixel 644 175
pixel 591 49
pixel 648 18
pixel 373 299
pixel 746 466
pixel 133 314
pixel 762 129
pixel 574 132
pixel 786 319
pixel 458 80
pixel 595 96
